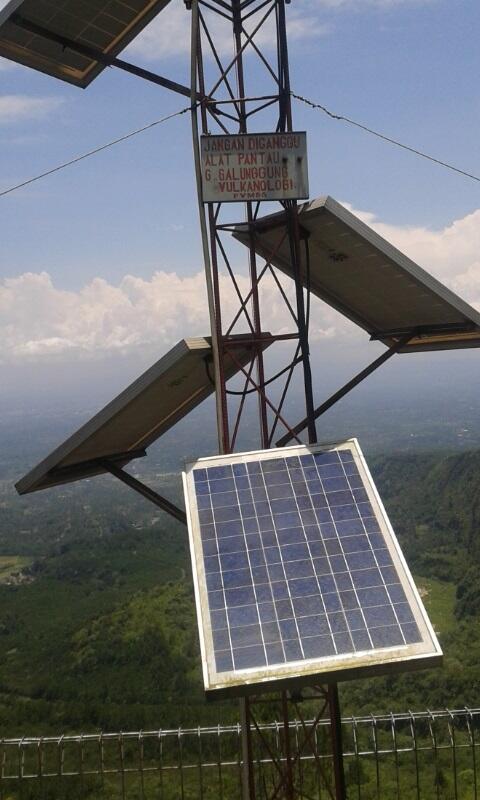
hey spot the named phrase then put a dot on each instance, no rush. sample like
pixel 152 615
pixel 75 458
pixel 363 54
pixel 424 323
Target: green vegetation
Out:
pixel 439 599
pixel 433 503
pixel 12 568
pixel 97 621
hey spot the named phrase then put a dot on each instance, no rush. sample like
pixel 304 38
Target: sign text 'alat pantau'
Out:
pixel 254 166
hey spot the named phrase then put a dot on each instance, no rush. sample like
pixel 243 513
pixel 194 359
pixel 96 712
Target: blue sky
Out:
pixel 81 251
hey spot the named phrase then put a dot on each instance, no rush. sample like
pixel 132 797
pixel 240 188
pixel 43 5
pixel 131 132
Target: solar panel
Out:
pixel 364 277
pixel 138 416
pixel 106 25
pixel 298 572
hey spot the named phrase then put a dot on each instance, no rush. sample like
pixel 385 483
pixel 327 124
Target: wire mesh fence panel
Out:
pixel 410 756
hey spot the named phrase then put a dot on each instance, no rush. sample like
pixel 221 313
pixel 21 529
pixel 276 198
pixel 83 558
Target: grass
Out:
pixel 439 600
pixel 12 564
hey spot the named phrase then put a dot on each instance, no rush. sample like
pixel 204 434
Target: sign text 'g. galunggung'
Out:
pixel 256 166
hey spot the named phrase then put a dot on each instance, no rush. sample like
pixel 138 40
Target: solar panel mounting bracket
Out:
pixel 69 472
pixel 102 58
pixel 423 330
pixel 336 396
pixel 149 494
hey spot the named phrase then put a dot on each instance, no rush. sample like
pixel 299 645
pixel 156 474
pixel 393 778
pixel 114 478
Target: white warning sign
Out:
pixel 254 166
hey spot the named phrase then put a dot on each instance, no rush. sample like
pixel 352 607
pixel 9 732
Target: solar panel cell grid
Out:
pixel 296 566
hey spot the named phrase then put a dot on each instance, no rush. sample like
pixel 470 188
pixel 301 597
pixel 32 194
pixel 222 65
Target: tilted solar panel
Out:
pixel 137 417
pixel 297 570
pixel 353 269
pixel 106 25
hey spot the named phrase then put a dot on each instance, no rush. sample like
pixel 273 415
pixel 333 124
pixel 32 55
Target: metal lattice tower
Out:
pixel 240 84
pixel 242 90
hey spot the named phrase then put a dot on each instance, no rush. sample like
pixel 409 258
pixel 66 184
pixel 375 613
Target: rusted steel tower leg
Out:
pixel 234 111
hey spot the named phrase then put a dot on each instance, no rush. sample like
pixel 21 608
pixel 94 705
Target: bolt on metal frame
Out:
pixel 222 78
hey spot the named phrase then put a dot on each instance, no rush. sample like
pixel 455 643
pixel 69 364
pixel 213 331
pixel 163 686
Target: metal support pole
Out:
pixel 216 343
pixel 239 118
pixel 292 222
pixel 97 55
pixel 337 741
pixel 294 232
pixel 145 491
pixel 346 388
pixel 248 775
pixel 262 406
pixel 288 782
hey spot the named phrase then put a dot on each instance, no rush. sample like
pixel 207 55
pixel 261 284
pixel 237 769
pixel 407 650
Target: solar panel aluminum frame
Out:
pixel 54 66
pixel 81 454
pixel 295 675
pixel 462 330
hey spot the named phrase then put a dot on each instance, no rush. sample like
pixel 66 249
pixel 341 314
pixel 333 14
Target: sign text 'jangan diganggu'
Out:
pixel 254 166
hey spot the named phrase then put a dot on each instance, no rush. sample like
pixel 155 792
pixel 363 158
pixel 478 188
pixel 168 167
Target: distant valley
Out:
pixel 97 623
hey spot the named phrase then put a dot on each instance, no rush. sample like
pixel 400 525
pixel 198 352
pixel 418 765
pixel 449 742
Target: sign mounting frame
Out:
pixel 248 167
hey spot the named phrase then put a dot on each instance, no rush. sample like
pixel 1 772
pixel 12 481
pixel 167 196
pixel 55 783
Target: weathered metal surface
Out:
pixel 255 166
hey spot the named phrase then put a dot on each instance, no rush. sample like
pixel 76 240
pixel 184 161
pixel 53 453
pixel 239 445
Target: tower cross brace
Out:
pixel 246 88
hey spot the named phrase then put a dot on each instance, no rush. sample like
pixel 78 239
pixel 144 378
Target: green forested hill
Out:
pixel 97 622
pixel 433 504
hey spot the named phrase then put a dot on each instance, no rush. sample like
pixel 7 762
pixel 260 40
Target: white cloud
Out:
pixel 302 23
pixel 169 34
pixel 18 107
pixel 39 320
pixel 451 254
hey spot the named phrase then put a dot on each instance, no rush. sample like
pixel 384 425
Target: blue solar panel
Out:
pixel 296 564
